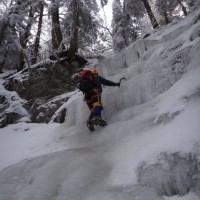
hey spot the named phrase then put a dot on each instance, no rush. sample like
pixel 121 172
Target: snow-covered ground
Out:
pixel 150 149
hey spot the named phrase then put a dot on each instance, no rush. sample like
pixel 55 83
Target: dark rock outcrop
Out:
pixel 42 109
pixel 9 118
pixel 40 84
pixel 44 80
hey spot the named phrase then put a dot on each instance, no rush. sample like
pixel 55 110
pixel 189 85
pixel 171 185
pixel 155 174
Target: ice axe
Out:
pixel 123 78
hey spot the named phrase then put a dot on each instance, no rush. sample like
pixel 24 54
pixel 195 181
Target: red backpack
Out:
pixel 86 81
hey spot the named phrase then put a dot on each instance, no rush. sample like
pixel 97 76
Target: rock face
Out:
pixel 42 109
pixel 49 80
pixel 40 85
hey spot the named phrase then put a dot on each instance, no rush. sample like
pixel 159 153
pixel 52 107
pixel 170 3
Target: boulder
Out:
pixel 42 109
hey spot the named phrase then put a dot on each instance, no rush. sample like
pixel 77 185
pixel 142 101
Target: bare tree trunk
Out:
pixel 56 31
pixel 150 13
pixel 37 39
pixel 27 32
pixel 11 3
pixel 3 26
pixel 183 7
pixel 24 40
pixel 75 28
pixel 2 62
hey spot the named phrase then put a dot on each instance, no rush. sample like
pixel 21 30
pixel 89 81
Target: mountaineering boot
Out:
pixel 101 122
pixel 90 125
pixel 98 121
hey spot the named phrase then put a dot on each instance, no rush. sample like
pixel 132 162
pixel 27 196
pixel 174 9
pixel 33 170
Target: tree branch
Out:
pixel 106 28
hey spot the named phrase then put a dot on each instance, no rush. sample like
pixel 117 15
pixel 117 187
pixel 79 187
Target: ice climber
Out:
pixel 90 83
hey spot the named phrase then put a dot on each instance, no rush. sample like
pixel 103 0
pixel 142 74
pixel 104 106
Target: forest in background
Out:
pixel 33 31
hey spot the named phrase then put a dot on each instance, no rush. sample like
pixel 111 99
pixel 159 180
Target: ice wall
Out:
pixel 151 66
pixel 172 174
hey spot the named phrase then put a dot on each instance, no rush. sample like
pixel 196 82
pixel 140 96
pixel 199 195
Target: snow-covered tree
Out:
pixel 118 37
pixel 193 4
pixel 36 44
pixel 73 48
pixel 183 7
pixel 135 8
pixel 150 14
pixel 24 38
pixel 81 24
pixel 57 42
pixel 122 24
pixel 167 9
pixel 16 32
pixel 10 22
pixel 31 11
pixel 104 2
pixel 138 8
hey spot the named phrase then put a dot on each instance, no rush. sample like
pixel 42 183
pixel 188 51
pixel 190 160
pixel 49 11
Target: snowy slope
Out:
pixel 151 148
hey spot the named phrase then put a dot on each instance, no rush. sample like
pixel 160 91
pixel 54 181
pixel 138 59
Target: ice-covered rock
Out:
pixel 172 174
pixel 12 107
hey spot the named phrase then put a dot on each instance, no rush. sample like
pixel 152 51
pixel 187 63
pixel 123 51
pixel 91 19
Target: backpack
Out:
pixel 86 81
